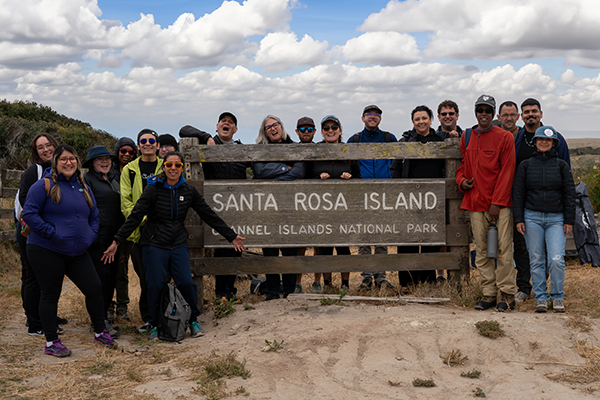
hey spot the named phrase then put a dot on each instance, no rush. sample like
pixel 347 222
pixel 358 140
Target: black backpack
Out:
pixel 173 314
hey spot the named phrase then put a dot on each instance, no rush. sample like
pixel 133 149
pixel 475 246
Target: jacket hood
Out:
pixel 157 180
pixel 125 141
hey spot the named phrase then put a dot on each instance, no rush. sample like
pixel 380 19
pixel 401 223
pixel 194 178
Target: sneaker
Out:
pixel 153 334
pixel 344 288
pixel 196 330
pixel 364 286
pixel 521 297
pixel 61 321
pixel 113 331
pixel 59 330
pixel 542 306
pixel 440 279
pixel 316 288
pixel 57 349
pixel 385 284
pixel 507 301
pixel 35 333
pixel 298 288
pixel 105 339
pixel 485 303
pixel 147 327
pixel 558 306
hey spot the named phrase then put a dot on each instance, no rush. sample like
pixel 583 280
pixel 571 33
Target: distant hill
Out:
pixel 21 121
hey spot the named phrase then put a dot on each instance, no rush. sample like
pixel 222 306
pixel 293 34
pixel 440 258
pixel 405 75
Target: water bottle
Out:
pixel 492 242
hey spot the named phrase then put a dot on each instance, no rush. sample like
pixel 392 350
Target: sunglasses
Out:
pixel 151 141
pixel 332 127
pixel 372 114
pixel 272 126
pixel 177 165
pixel 481 110
pixel 130 152
pixel 451 113
pixel 308 129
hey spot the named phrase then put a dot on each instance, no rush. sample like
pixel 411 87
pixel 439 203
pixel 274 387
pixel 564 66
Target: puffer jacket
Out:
pixel 69 227
pixel 280 171
pixel 335 168
pixel 225 170
pixel 419 168
pixel 166 208
pixel 544 183
pixel 108 200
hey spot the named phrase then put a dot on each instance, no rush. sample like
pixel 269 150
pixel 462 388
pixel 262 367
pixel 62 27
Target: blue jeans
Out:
pixel 544 232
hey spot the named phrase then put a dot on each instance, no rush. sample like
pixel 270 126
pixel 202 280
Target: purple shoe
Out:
pixel 57 349
pixel 105 339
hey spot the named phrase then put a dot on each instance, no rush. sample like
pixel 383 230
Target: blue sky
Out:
pixel 104 63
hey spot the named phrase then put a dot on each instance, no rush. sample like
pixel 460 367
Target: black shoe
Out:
pixel 486 303
pixel 272 296
pixel 364 286
pixel 506 301
pixel 61 321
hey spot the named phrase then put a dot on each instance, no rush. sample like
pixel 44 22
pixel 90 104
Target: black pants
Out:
pixel 406 278
pixel 106 272
pixel 225 284
pixel 50 269
pixel 521 256
pixel 30 289
pixel 273 280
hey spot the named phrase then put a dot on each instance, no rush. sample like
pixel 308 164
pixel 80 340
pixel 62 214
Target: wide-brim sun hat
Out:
pixel 95 152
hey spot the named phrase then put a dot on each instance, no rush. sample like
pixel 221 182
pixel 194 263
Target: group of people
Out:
pixel 133 202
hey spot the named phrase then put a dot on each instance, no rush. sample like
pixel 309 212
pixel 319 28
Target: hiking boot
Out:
pixel 105 339
pixel 153 334
pixel 110 315
pixel 440 279
pixel 558 306
pixel 272 296
pixel 122 313
pixel 61 321
pixel 542 306
pixel 521 297
pixel 507 301
pixel 316 288
pixel 57 349
pixel 145 328
pixel 485 303
pixel 364 286
pixel 196 330
pixel 344 288
pixel 113 331
pixel 385 284
pixel 298 288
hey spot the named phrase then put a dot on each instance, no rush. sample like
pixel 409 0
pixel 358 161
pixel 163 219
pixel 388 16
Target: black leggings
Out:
pixel 50 269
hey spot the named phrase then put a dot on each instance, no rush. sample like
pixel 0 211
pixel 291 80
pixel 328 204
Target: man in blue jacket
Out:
pixel 373 169
pixel 531 114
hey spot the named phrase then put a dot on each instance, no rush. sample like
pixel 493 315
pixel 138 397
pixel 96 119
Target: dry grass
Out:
pixel 454 358
pixel 588 374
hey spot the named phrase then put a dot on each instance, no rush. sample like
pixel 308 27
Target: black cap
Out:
pixel 146 132
pixel 228 114
pixel 372 107
pixel 168 139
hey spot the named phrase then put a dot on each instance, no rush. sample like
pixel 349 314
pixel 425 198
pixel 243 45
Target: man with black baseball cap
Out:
pixel 305 129
pixel 373 169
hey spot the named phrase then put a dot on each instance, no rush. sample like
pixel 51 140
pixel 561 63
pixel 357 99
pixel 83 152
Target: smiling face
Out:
pixel 44 148
pixel 173 173
pixel 226 129
pixel 422 122
pixel 331 132
pixel 102 164
pixel 371 119
pixel 146 148
pixel 543 144
pixel 485 115
pixel 274 131
pixel 164 149
pixel 532 116
pixel 508 117
pixel 448 119
pixel 66 164
pixel 126 154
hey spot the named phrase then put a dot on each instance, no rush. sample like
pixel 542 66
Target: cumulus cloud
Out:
pixel 473 29
pixel 387 48
pixel 280 51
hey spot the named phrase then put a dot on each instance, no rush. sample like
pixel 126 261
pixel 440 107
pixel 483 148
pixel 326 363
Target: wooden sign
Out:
pixel 336 212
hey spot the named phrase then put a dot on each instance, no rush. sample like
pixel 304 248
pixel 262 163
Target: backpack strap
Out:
pixel 387 136
pixel 467 136
pixel 47 186
pixel 356 138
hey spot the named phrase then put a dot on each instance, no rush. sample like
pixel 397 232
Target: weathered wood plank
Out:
pixel 452 190
pixel 7 213
pixel 456 216
pixel 11 175
pixel 352 263
pixel 400 299
pixel 9 193
pixel 7 235
pixel 457 235
pixel 310 152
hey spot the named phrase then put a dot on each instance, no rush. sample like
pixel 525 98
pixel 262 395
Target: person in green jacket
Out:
pixel 133 182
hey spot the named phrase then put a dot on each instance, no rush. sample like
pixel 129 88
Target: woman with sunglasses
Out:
pixel 166 201
pixel 103 181
pixel 422 132
pixel 272 131
pixel 61 212
pixel 331 128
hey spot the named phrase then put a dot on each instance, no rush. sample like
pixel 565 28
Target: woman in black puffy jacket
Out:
pixel 544 211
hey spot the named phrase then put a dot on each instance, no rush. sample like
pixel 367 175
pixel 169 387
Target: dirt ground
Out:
pixel 352 351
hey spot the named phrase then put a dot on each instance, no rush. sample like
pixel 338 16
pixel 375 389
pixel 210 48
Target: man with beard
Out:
pixel 448 117
pixel 531 114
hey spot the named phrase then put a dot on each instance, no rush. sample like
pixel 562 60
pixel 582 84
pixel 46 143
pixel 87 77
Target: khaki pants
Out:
pixel 503 277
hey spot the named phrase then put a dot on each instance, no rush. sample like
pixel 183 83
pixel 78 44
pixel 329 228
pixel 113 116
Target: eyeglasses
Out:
pixel 45 146
pixel 176 165
pixel 450 113
pixel 64 160
pixel 481 110
pixel 309 129
pixel 327 127
pixel 372 114
pixel 151 141
pixel 272 126
pixel 513 116
pixel 130 152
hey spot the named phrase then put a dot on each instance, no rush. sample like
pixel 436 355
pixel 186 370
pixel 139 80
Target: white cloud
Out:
pixel 387 48
pixel 280 51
